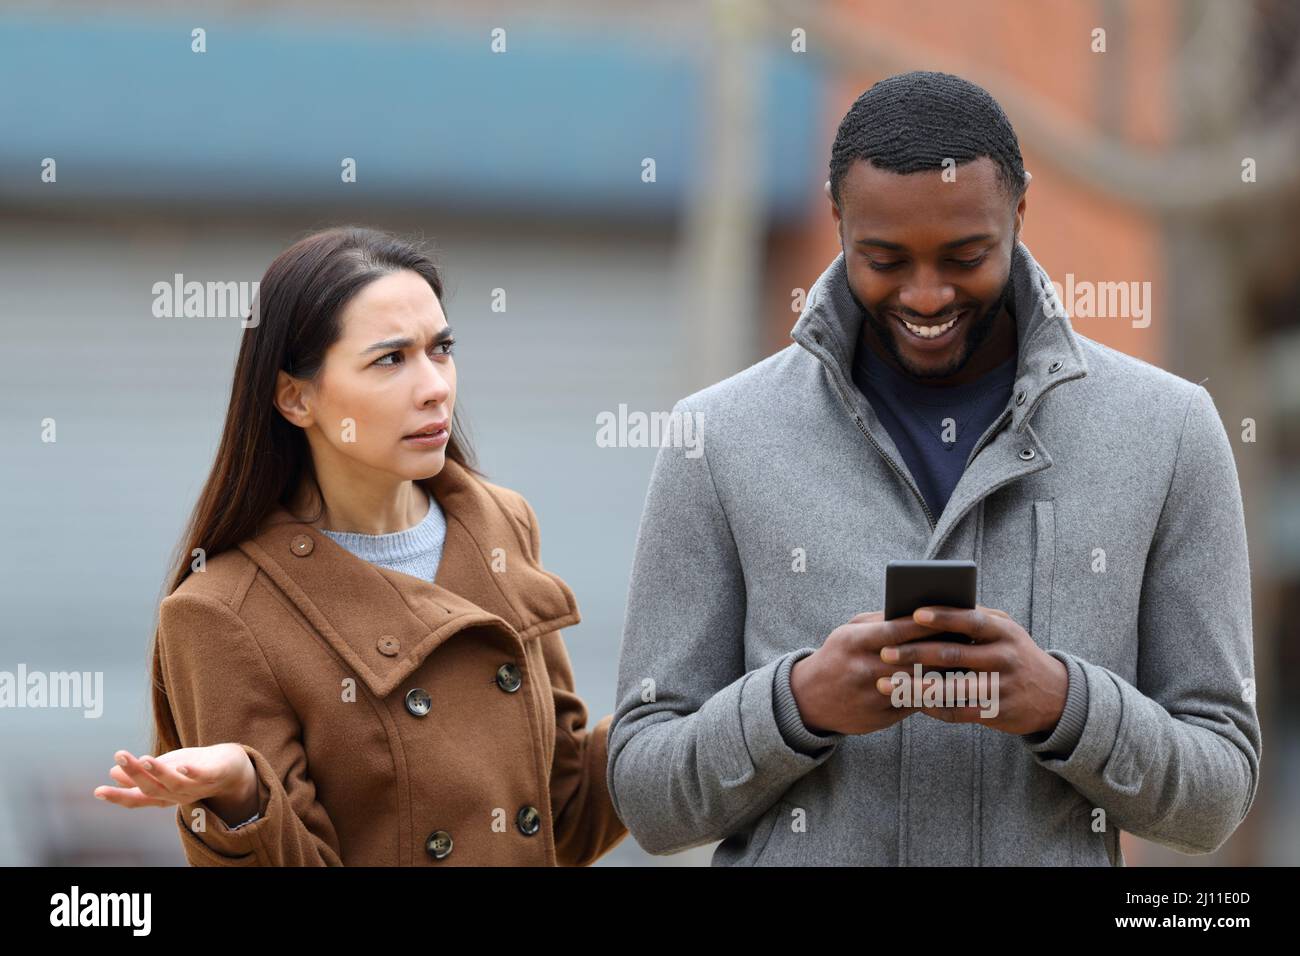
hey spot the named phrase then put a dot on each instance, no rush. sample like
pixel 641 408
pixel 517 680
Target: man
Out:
pixel 1097 494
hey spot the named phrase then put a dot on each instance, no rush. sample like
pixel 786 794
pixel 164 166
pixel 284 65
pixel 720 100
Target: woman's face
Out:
pixel 389 375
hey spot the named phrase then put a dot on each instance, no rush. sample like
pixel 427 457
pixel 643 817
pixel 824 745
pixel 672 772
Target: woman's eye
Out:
pixel 441 348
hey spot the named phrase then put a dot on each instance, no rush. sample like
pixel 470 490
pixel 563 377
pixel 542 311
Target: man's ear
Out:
pixel 291 400
pixel 1020 206
pixel 835 210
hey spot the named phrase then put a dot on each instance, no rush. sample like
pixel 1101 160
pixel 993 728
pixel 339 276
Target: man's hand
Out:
pixel 1032 684
pixel 837 687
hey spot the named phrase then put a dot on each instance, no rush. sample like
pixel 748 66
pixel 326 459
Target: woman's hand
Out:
pixel 222 775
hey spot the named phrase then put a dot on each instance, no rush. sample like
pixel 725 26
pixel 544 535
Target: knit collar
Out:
pixel 423 537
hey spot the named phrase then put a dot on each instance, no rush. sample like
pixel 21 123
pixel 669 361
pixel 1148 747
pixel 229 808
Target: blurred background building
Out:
pixel 645 186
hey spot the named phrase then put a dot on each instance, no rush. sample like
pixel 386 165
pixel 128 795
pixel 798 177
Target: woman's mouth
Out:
pixel 429 438
pixel 931 337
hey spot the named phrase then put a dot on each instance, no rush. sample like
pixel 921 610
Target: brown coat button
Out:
pixel 389 645
pixel 301 545
pixel 509 678
pixel 528 820
pixel 418 702
pixel 438 844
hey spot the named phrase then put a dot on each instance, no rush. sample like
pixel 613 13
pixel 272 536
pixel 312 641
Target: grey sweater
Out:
pixel 1103 511
pixel 415 551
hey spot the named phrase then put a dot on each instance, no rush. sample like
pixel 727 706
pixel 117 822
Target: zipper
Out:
pixel 862 428
pixel 989 433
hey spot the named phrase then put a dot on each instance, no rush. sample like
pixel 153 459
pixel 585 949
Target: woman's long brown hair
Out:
pixel 263 458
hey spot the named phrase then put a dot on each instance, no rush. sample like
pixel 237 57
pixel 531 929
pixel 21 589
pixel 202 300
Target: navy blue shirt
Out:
pixel 914 414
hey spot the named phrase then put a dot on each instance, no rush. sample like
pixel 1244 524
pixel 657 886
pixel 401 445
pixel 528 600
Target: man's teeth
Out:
pixel 932 332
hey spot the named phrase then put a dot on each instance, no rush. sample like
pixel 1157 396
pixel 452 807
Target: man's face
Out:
pixel 925 251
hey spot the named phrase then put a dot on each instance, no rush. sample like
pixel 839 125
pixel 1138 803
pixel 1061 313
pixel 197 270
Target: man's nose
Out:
pixel 926 294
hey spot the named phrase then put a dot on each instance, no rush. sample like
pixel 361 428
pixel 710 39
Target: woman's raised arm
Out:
pixel 218 688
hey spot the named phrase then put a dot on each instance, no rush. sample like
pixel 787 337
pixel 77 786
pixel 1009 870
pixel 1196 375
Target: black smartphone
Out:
pixel 913 584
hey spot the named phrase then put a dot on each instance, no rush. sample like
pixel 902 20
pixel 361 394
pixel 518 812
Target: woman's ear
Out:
pixel 291 400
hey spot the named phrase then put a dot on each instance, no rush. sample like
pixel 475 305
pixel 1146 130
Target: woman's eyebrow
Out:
pixel 393 345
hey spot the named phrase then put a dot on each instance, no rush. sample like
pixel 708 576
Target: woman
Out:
pixel 359 658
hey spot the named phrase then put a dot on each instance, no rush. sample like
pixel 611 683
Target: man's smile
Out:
pixel 931 336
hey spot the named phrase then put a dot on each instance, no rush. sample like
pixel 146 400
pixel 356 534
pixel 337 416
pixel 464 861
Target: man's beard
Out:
pixel 980 329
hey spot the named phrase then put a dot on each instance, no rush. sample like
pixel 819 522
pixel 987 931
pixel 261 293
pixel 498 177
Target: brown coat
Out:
pixel 392 722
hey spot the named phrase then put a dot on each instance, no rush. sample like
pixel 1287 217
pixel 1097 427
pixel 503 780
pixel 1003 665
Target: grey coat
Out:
pixel 1104 512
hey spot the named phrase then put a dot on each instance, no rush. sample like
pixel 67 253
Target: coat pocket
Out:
pixel 762 835
pixel 784 836
pixel 1089 847
pixel 1043 573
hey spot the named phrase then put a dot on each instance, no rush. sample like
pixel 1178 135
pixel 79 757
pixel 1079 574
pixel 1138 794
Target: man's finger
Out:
pixel 977 623
pixel 873 635
pixel 970 657
pixel 969 713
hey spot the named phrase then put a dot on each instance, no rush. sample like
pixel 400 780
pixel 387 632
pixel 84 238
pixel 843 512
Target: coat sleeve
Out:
pixel 585 823
pixel 697 750
pixel 219 688
pixel 1175 760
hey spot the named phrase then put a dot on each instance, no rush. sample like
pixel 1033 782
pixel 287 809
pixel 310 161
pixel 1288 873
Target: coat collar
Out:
pixel 831 325
pixel 1049 356
pixel 384 623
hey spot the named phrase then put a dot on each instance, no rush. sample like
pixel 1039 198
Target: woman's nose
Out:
pixel 434 384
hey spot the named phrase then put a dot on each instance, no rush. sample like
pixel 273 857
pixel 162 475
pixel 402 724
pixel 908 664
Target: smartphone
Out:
pixel 913 584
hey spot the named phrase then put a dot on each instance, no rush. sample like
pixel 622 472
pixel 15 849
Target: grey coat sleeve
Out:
pixel 1176 759
pixel 695 750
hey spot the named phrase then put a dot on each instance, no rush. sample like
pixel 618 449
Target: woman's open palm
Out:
pixel 177 777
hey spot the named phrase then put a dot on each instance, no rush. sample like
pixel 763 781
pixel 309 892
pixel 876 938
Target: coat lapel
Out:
pixel 384 623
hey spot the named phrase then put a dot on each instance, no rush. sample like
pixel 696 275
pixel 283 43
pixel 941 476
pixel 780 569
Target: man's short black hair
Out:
pixel 913 121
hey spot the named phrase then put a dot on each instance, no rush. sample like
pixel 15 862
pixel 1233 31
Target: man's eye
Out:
pixel 884 266
pixel 380 360
pixel 446 345
pixel 969 263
